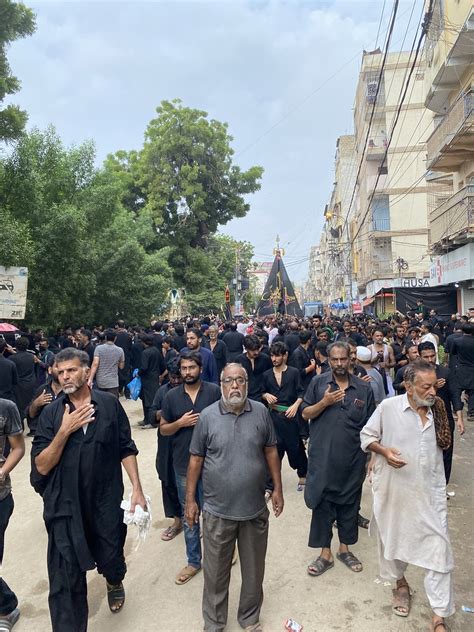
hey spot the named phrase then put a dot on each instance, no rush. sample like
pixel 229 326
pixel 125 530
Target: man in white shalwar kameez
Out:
pixel 409 493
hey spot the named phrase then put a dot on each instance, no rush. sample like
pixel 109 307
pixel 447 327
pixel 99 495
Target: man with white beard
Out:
pixel 408 434
pixel 233 444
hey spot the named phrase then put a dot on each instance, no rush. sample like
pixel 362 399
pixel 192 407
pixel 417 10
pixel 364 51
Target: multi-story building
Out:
pixel 334 240
pixel 312 291
pixel 449 51
pixel 388 218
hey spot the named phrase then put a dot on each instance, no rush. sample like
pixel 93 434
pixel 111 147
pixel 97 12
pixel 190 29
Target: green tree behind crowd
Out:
pixel 86 254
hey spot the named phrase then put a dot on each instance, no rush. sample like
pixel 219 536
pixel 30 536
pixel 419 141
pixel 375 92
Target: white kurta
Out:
pixel 410 508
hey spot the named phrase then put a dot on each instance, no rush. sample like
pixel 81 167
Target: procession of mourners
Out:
pixel 352 404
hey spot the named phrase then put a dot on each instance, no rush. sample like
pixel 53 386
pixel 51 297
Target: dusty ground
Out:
pixel 339 600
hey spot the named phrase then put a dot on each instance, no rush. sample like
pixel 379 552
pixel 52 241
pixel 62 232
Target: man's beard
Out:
pixel 234 400
pixel 429 401
pixel 189 379
pixel 71 388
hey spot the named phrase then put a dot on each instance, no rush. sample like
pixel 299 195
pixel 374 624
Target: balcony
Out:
pixel 380 224
pixel 452 142
pixel 376 147
pixel 452 223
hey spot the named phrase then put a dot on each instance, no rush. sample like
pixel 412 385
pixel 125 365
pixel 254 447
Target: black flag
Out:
pixel 279 295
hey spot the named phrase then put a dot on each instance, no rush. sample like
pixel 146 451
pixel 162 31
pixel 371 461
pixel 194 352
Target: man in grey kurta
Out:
pixel 409 494
pixel 233 444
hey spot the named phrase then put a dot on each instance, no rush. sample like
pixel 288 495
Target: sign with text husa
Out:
pixel 13 289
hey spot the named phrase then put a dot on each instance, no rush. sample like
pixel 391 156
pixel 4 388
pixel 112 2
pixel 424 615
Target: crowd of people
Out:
pixel 342 397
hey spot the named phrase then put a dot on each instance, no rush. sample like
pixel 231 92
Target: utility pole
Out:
pixel 237 278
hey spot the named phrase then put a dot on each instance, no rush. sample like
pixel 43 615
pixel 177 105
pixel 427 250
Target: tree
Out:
pixel 211 269
pixel 189 185
pixel 16 20
pixel 85 252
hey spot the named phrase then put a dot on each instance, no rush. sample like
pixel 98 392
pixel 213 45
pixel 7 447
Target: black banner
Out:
pixel 279 295
pixel 442 298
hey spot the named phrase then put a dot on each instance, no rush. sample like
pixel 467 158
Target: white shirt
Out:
pixel 410 509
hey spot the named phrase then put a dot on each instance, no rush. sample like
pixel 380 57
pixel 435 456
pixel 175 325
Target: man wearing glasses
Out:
pixel 232 446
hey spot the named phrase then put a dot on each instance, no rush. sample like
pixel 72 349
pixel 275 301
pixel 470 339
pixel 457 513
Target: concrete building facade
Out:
pixel 389 219
pixel 449 52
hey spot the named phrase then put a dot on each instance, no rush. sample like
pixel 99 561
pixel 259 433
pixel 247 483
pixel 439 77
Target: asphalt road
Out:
pixel 338 600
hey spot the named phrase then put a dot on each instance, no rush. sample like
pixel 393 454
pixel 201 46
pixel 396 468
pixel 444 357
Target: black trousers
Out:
pixel 8 600
pixel 448 454
pixel 165 471
pixel 67 582
pixel 289 441
pixel 323 517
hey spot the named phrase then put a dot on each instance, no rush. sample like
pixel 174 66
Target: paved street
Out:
pixel 339 600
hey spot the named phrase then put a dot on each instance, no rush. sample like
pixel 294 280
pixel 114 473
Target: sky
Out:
pixel 282 74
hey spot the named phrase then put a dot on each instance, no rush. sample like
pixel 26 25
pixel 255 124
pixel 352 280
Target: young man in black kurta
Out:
pixel 82 440
pixel 283 394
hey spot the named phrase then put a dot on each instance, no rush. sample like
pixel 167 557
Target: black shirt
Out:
pixel 235 342
pixel 8 378
pixel 463 349
pixel 261 364
pixel 82 493
pixel 220 353
pixel 175 404
pixel 336 463
pixel 290 388
pixel 301 359
pixel 292 341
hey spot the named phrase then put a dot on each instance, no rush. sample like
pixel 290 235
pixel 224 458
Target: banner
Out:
pixel 279 295
pixel 13 289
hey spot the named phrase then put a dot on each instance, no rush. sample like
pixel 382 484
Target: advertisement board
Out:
pixel 13 289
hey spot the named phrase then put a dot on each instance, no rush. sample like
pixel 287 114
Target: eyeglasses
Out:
pixel 238 380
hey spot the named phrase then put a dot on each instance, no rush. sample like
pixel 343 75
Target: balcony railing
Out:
pixel 380 224
pixel 455 122
pixel 453 221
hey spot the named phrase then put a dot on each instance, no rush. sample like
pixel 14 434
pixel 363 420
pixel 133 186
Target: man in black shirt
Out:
pixel 164 459
pixel 151 369
pixel 179 415
pixel 124 341
pixel 255 363
pixel 234 341
pixel 446 389
pixel 82 441
pixel 412 354
pixel 292 339
pixel 84 338
pixel 25 365
pixel 463 349
pixel 44 395
pixel 283 394
pixel 303 360
pixel 338 405
pixel 398 346
pixel 8 375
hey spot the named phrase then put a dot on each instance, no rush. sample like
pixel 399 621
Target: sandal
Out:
pixel 320 566
pixel 170 533
pixel 8 621
pixel 115 597
pixel 350 560
pixel 256 627
pixel 300 486
pixel 443 623
pixel 362 522
pixel 186 575
pixel 401 600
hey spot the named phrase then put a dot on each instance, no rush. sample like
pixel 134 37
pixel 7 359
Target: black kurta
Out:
pixel 336 467
pixel 82 496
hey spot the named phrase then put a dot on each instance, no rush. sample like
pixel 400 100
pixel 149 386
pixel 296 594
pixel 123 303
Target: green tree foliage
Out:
pixel 188 183
pixel 210 270
pixel 85 252
pixel 16 20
